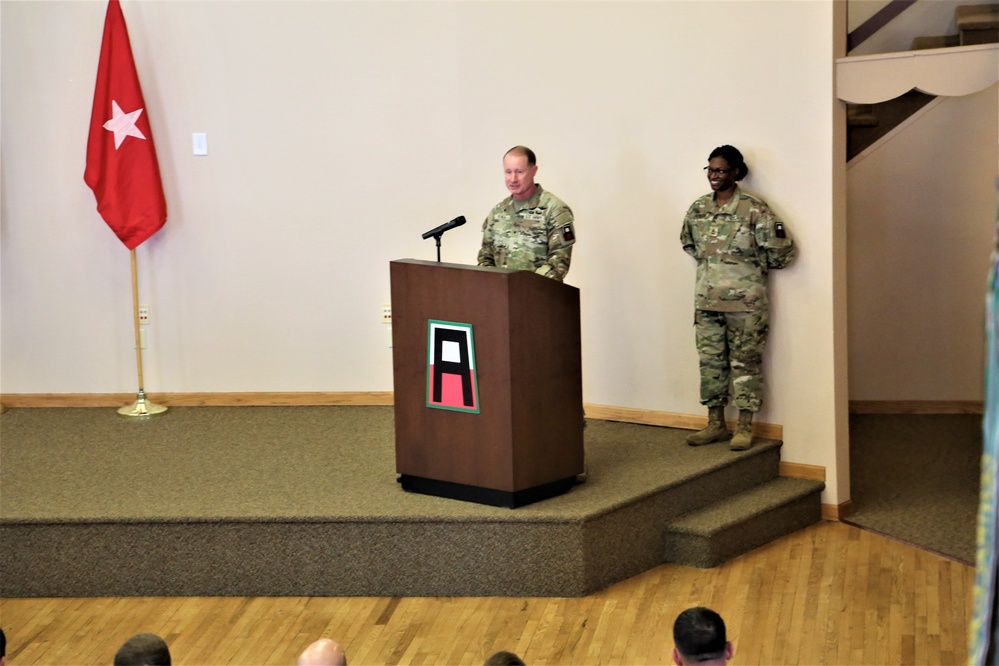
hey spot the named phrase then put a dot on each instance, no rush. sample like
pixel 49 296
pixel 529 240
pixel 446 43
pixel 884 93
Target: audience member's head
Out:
pixel 324 652
pixel 143 650
pixel 3 648
pixel 699 638
pixel 504 658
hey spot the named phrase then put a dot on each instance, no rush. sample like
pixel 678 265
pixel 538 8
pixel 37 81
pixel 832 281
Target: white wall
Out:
pixel 340 131
pixel 921 210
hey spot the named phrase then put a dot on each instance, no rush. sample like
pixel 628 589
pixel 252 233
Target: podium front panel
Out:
pixel 528 430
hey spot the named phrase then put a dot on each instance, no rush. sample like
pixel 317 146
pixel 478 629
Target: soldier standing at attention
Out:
pixel 736 239
pixel 530 230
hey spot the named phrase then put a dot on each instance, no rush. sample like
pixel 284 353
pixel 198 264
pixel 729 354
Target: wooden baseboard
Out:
pixel 263 399
pixel 802 471
pixel 917 407
pixel 606 412
pixel 671 419
pixel 837 512
pixel 643 416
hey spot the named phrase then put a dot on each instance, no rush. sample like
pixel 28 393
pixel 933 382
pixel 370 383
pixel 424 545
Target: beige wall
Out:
pixel 340 131
pixel 921 214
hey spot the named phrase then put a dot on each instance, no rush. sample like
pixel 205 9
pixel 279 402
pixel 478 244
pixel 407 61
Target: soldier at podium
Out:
pixel 530 230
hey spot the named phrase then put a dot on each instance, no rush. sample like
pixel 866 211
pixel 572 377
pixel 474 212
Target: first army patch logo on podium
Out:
pixel 451 379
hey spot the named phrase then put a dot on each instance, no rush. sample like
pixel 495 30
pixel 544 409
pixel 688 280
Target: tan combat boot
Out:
pixel 743 438
pixel 716 431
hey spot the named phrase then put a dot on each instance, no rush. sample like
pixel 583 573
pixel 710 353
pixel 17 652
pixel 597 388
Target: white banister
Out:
pixel 960 70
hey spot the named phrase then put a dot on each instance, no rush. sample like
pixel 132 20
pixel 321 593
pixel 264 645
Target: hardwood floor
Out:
pixel 829 594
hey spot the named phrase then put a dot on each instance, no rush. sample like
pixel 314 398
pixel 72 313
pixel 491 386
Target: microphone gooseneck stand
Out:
pixel 437 232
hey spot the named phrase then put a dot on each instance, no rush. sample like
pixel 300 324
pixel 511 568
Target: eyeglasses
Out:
pixel 719 172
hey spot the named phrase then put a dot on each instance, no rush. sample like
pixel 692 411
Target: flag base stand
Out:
pixel 142 407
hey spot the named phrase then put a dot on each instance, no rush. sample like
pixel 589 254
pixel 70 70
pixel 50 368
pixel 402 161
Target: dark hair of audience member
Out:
pixel 143 650
pixel 504 658
pixel 699 634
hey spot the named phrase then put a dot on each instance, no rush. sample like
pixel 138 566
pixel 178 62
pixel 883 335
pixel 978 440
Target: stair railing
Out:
pixel 880 19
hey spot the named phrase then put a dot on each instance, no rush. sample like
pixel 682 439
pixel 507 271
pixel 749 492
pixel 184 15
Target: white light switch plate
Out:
pixel 200 140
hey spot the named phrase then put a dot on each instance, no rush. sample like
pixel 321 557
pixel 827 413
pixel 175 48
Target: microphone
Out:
pixel 447 226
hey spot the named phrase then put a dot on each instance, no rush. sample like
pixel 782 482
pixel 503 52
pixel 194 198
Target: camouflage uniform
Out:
pixel 735 246
pixel 535 234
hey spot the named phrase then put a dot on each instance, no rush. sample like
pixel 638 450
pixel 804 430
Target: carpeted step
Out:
pixel 978 24
pixel 861 115
pixel 707 537
pixel 935 42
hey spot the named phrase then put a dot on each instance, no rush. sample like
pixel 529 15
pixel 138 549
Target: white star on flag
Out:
pixel 123 124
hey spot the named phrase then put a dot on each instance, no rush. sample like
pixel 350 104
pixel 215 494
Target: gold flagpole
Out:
pixel 141 406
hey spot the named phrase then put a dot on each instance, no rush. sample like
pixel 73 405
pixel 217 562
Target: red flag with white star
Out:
pixel 121 159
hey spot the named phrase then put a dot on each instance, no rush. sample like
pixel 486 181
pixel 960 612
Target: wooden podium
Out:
pixel 525 443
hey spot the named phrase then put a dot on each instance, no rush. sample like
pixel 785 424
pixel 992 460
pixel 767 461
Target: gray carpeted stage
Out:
pixel 303 501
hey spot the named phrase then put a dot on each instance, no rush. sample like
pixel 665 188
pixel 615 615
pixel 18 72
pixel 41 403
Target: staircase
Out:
pixel 752 506
pixel 866 123
pixel 976 24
